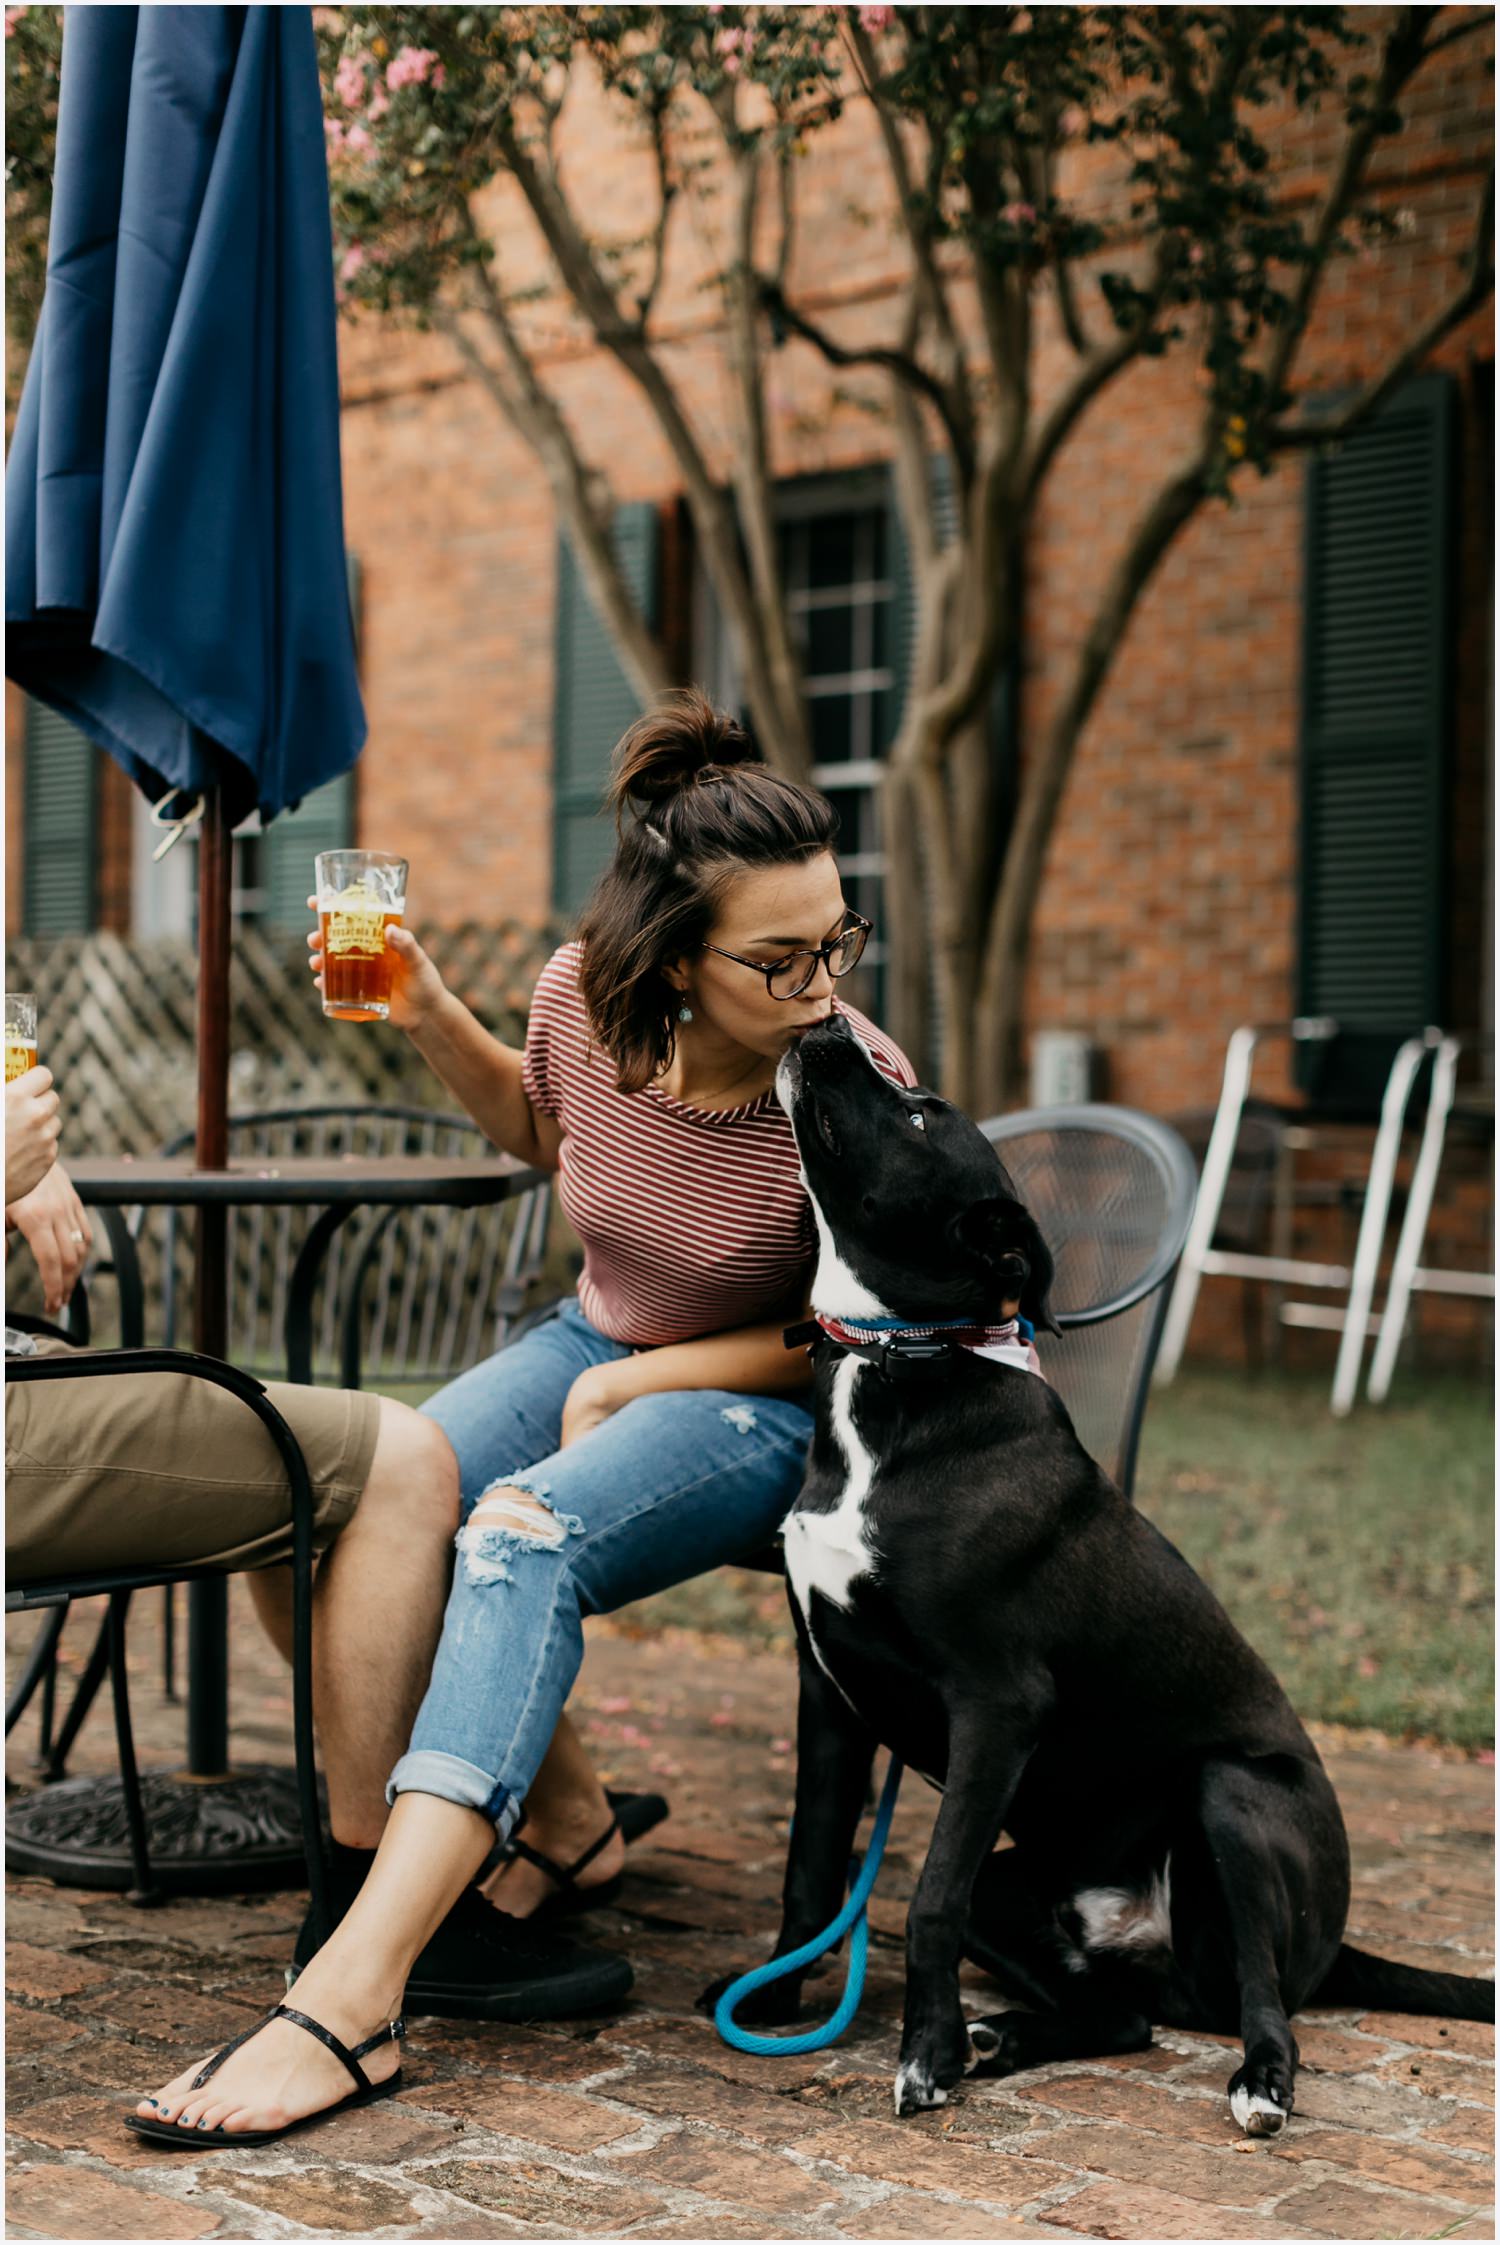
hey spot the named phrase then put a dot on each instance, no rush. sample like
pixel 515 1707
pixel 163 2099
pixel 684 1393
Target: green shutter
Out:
pixel 323 820
pixel 594 702
pixel 61 822
pixel 1378 631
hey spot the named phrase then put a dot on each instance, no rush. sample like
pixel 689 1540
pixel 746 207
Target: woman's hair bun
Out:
pixel 680 741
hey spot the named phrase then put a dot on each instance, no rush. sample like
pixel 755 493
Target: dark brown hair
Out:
pixel 694 806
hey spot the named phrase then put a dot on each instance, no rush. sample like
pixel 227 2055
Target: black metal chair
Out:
pixel 117 1584
pixel 417 1295
pixel 1113 1192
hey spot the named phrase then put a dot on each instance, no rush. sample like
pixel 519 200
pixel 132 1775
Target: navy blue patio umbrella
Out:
pixel 175 572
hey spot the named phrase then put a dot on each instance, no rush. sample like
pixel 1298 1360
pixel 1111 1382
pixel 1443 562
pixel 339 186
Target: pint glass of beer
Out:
pixel 361 893
pixel 20 1033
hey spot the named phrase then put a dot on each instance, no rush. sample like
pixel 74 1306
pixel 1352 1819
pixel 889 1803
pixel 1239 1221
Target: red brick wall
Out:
pixel 1168 911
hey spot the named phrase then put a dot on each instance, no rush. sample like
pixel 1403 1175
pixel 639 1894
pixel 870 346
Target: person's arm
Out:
pixel 31 1132
pixel 750 1360
pixel 483 1075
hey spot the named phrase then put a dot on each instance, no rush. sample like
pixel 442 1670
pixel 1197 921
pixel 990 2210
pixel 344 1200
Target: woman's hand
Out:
pixel 417 989
pixel 52 1220
pixel 595 1396
pixel 31 1132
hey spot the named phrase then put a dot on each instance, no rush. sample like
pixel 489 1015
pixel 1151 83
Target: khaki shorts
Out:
pixel 135 1468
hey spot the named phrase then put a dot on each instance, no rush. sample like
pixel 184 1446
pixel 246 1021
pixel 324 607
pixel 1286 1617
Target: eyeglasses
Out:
pixel 789 977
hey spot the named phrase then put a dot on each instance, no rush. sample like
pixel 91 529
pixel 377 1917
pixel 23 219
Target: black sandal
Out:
pixel 570 1896
pixel 365 2092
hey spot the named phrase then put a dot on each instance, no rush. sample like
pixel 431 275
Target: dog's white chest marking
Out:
pixel 826 1550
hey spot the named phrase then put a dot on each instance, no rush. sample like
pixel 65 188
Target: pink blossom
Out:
pixel 353 258
pixel 439 77
pixel 325 19
pixel 876 20
pixel 12 18
pixel 1072 121
pixel 358 141
pixel 333 133
pixel 1019 214
pixel 349 81
pixel 410 67
pixel 731 66
pixel 729 40
pixel 377 105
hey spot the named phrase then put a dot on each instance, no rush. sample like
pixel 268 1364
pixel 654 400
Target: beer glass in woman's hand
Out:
pixel 403 987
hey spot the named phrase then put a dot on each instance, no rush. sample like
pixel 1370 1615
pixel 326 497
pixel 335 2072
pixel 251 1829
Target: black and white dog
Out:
pixel 971 1591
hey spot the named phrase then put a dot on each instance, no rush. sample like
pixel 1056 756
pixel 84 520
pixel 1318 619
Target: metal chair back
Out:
pixel 409 1296
pixel 1113 1192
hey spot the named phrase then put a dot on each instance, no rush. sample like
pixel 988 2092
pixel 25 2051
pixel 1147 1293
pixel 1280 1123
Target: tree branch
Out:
pixel 906 369
pixel 1001 998
pixel 1399 58
pixel 1478 284
pixel 1100 368
pixel 782 729
pixel 533 413
pixel 931 286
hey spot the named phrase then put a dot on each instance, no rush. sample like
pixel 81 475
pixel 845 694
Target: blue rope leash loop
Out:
pixel 855 1913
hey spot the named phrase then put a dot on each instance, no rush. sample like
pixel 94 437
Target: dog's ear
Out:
pixel 1006 1236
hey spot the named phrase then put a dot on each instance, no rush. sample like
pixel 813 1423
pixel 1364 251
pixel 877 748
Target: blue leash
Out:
pixel 853 1913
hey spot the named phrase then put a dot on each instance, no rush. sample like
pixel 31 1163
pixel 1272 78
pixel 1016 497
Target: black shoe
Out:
pixel 481 1964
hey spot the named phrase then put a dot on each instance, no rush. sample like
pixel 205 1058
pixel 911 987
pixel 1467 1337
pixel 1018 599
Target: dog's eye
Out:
pixel 917 1122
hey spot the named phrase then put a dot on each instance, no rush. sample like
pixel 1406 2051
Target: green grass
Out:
pixel 1355 1554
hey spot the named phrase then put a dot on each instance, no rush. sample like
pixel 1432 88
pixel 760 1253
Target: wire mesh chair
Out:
pixel 1113 1193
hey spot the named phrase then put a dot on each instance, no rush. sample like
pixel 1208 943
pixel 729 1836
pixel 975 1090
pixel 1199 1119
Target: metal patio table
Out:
pixel 213 1830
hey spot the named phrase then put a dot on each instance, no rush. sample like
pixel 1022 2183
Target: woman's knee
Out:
pixel 413 1468
pixel 512 1520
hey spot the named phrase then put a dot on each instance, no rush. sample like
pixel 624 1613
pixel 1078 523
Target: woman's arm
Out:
pixel 751 1360
pixel 483 1075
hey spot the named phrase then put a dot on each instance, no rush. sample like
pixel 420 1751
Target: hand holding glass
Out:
pixel 361 893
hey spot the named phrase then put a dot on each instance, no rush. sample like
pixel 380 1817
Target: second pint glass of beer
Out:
pixel 361 893
pixel 20 1033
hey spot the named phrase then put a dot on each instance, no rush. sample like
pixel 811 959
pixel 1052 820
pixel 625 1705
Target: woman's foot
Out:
pixel 283 2074
pixel 520 1887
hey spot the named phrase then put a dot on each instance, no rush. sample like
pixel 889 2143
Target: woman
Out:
pixel 657 1425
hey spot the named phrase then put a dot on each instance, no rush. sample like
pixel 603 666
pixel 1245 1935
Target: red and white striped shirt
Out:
pixel 693 1221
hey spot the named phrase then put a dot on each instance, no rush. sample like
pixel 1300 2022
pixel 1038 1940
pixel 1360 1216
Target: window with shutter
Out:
pixel 1376 719
pixel 592 705
pixel 61 825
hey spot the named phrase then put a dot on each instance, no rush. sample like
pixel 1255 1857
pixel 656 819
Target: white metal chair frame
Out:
pixel 1357 1280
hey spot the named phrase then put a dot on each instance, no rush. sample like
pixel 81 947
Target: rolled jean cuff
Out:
pixel 450 1778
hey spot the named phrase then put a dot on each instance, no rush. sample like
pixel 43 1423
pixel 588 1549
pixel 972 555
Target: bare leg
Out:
pixel 377 1614
pixel 430 1851
pixel 566 1810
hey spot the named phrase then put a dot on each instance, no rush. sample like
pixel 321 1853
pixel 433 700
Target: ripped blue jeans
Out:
pixel 669 1487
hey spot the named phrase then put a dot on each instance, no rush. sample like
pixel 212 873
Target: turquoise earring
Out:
pixel 684 1013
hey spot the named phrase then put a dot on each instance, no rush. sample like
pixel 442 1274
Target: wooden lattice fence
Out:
pixel 116 1025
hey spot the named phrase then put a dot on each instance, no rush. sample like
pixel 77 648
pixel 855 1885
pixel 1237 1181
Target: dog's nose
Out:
pixel 824 1036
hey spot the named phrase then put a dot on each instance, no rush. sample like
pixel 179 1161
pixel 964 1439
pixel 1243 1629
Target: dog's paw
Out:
pixel 917 2090
pixel 1260 2095
pixel 778 2004
pixel 995 2047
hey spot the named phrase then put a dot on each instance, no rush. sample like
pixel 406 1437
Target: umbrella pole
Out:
pixel 208 1601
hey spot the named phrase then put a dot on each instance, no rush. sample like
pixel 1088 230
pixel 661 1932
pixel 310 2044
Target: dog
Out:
pixel 970 1590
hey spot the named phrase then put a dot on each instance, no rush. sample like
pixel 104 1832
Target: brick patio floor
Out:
pixel 644 2125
